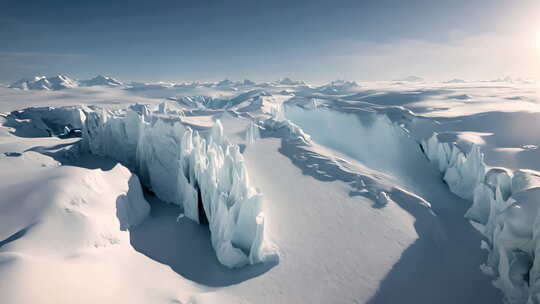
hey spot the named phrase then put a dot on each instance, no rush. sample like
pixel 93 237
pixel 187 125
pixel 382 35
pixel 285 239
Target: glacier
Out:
pixel 504 210
pixel 200 171
pixel 504 202
pixel 367 149
pixel 203 173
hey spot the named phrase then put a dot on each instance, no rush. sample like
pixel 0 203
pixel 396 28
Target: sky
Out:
pixel 316 41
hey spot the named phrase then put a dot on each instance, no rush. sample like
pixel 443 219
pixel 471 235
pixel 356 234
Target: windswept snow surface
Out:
pixel 378 192
pixel 62 241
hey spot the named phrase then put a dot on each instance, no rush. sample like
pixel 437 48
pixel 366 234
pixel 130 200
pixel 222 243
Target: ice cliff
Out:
pixel 202 172
pixel 505 211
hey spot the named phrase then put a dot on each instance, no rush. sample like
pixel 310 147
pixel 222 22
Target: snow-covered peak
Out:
pixel 344 83
pixel 247 100
pixel 54 83
pixel 290 82
pixel 60 82
pixel 248 82
pixel 101 80
pixel 248 95
pixel 337 87
pixel 232 83
pixel 225 83
pixel 188 85
pixel 142 86
pixel 37 83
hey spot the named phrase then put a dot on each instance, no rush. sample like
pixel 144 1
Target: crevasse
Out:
pixel 204 174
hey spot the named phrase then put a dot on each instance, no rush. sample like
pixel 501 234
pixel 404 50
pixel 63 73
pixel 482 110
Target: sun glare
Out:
pixel 538 40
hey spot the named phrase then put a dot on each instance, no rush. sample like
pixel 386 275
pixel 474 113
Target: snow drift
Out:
pixel 66 245
pixel 203 173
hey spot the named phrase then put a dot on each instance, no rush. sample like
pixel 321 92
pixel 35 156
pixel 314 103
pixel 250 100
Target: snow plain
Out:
pixel 358 202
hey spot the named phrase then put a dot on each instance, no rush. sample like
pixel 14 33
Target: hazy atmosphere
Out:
pixel 264 40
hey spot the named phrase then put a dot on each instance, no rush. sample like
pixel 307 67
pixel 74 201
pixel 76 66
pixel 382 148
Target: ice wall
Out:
pixel 132 208
pixel 252 132
pixel 505 210
pixel 203 173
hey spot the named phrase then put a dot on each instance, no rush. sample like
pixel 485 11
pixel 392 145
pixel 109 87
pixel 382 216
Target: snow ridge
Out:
pixel 61 82
pixel 204 174
pixel 55 83
pixel 101 80
pixel 251 100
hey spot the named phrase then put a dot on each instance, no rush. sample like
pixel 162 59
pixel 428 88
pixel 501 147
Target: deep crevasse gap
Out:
pixel 379 142
pixel 505 208
pixel 372 139
pixel 183 167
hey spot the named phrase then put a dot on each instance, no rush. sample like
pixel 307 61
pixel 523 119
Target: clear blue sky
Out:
pixel 263 40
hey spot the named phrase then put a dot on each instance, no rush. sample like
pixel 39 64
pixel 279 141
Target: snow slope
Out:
pixel 63 243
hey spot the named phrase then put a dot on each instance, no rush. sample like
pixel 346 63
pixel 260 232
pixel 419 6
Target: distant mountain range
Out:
pixel 61 82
